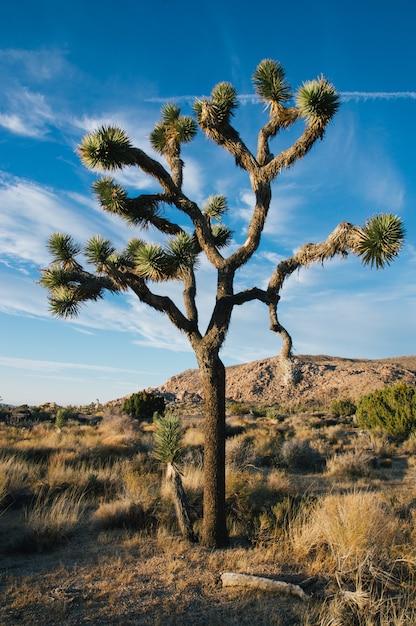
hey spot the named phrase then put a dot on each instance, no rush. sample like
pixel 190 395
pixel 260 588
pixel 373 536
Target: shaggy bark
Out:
pixel 180 501
pixel 212 373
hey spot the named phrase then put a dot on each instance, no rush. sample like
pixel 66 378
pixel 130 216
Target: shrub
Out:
pixel 350 465
pixel 392 409
pixel 143 405
pixel 297 454
pixel 61 418
pixel 352 533
pixel 342 408
pixel 240 452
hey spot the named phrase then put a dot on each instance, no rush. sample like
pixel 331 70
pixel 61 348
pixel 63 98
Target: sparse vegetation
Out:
pixel 305 502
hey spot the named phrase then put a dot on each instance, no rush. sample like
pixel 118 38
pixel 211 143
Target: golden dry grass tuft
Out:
pixel 88 533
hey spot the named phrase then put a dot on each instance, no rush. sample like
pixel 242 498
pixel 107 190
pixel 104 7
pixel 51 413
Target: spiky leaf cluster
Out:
pixel 223 101
pixel 216 207
pixel 152 263
pixel 69 290
pixel 69 285
pixel 182 251
pixel 110 194
pixel 381 240
pixel 270 83
pixel 100 252
pixel 107 148
pixel 172 131
pixel 219 108
pixel 168 438
pixel 64 250
pixel 317 101
pixel 222 235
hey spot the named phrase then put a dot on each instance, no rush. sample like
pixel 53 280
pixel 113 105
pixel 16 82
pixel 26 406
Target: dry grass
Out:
pixel 351 465
pixel 89 535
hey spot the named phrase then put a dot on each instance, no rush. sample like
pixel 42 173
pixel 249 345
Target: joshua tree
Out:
pixel 168 450
pixel 141 264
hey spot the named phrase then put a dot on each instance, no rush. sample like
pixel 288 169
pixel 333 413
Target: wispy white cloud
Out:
pixel 26 113
pixel 58 366
pixel 31 213
pixel 36 65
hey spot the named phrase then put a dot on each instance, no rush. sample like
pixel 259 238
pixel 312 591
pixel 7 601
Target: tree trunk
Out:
pixel 173 478
pixel 212 373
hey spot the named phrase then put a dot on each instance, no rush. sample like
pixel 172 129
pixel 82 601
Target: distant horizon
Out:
pixel 296 356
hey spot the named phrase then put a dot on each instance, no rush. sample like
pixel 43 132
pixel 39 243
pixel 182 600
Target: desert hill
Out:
pixel 321 379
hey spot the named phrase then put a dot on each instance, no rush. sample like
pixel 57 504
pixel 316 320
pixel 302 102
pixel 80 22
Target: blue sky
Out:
pixel 67 68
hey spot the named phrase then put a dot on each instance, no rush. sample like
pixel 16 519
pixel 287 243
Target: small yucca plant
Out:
pixel 168 450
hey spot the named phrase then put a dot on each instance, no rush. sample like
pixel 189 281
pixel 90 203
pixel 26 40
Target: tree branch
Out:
pixel 283 118
pixel 189 294
pixel 248 295
pixel 300 148
pixel 343 239
pixel 225 135
pixel 164 304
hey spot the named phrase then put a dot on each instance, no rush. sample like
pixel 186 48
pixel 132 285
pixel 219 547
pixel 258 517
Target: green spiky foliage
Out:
pixel 110 194
pixel 381 240
pixel 107 148
pixel 152 263
pixel 143 211
pixel 270 83
pixel 220 107
pixel 172 131
pixel 317 101
pixel 224 101
pixel 182 252
pixel 222 235
pixel 69 285
pixel 99 251
pixel 64 250
pixel 168 438
pixel 216 207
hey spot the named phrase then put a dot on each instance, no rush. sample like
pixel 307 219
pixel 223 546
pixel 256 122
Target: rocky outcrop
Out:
pixel 320 379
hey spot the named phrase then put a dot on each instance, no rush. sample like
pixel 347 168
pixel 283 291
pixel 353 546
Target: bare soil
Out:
pixel 130 581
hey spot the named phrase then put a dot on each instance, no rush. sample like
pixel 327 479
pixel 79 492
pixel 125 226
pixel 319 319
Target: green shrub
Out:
pixel 342 408
pixel 61 418
pixel 143 405
pixel 392 409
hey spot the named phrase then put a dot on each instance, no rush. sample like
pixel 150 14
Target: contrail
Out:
pixel 377 95
pixel 346 96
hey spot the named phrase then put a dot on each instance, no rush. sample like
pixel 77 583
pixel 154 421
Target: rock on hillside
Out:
pixel 321 379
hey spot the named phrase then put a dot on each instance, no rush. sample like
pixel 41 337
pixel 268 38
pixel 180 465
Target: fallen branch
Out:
pixel 229 579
